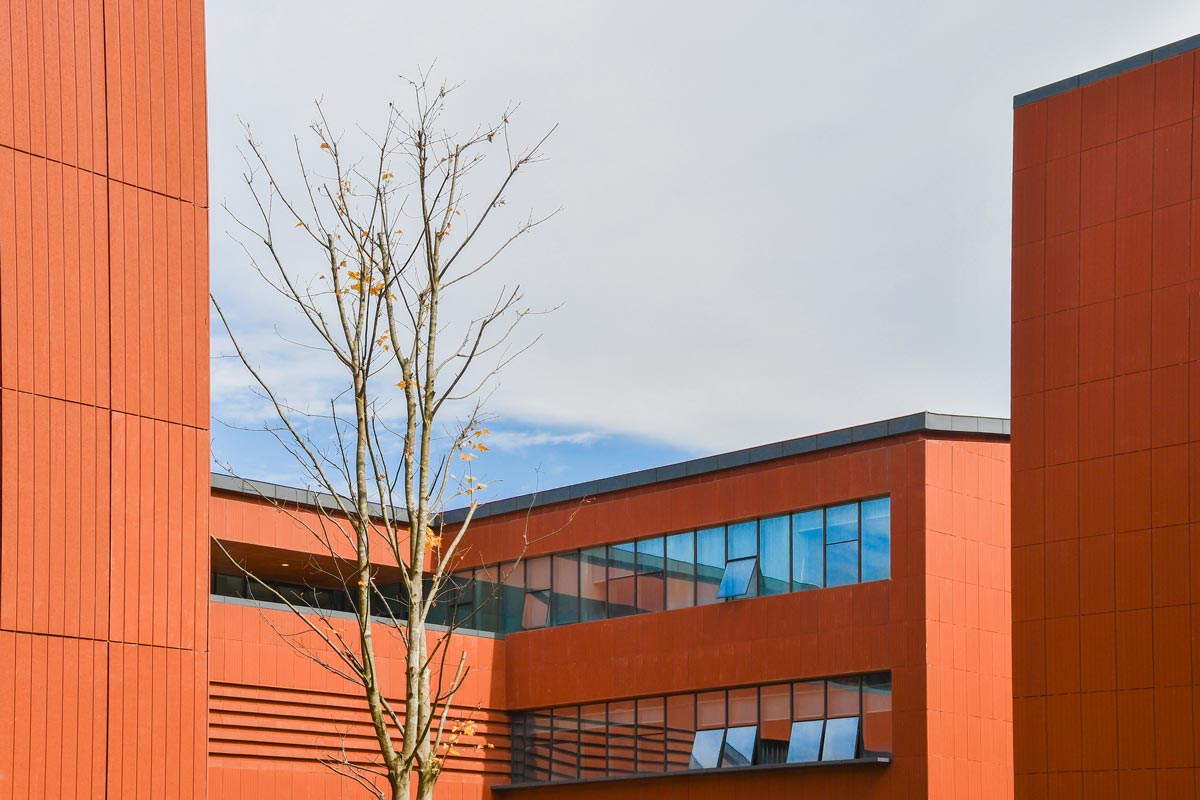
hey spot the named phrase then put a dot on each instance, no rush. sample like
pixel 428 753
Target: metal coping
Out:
pixel 921 421
pixel 1107 71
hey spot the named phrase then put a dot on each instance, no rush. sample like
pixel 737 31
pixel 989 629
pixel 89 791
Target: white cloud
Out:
pixel 518 440
pixel 779 217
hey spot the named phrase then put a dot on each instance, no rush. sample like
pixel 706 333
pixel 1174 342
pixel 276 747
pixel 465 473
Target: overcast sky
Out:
pixel 778 218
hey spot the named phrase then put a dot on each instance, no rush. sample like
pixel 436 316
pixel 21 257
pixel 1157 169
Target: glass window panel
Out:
pixel 651 591
pixel 229 585
pixel 650 555
pixel 622 732
pixel 877 539
pixel 565 600
pixel 621 596
pixel 774 721
pixel 841 566
pixel 877 713
pixel 537 610
pixel 593 741
pixel 841 523
pixel 738 578
pixel 773 555
pixel 621 560
pixel 841 739
pixel 537 574
pixel 808 700
pixel 843 697
pixel 564 761
pixel 742 540
pixel 681 570
pixel 538 743
pixel 710 710
pixel 651 735
pixel 710 564
pixel 681 730
pixel 804 746
pixel 487 600
pixel 808 550
pixel 706 749
pixel 743 707
pixel 593 581
pixel 739 746
pixel 512 596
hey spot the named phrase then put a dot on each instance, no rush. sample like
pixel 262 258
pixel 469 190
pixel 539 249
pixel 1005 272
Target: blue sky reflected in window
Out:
pixel 737 578
pixel 808 550
pixel 706 749
pixel 739 746
pixel 841 523
pixel 841 566
pixel 841 739
pixel 743 540
pixel 804 746
pixel 877 539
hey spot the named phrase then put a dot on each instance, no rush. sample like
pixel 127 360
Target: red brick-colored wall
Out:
pixel 274 712
pixel 1106 336
pixel 103 399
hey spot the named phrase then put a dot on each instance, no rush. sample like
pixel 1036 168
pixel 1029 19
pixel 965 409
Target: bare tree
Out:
pixel 387 239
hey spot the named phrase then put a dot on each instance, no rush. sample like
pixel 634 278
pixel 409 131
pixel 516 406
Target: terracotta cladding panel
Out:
pixel 53 702
pixel 53 550
pixel 159 553
pixel 1104 683
pixel 160 316
pixel 156 96
pixel 156 702
pixel 52 98
pixel 54 326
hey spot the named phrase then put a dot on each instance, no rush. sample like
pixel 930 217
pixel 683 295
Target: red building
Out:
pixel 1105 395
pixel 864 652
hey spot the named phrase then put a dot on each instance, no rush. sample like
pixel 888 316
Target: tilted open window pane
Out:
pixel 841 739
pixel 841 523
pixel 706 749
pixel 537 610
pixel 805 744
pixel 841 565
pixel 738 577
pixel 877 539
pixel 739 746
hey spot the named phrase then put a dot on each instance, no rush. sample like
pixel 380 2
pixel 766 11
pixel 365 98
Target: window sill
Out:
pixel 876 760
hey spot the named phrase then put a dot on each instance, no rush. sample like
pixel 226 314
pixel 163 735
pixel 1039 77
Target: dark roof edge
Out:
pixel 922 421
pixel 274 493
pixel 1107 71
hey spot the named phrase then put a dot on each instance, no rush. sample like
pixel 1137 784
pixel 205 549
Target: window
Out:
pixel 808 550
pixel 710 564
pixel 651 585
pixel 840 719
pixel 512 596
pixel 739 746
pixel 536 612
pixel 738 578
pixel 841 545
pixel 774 554
pixel 877 539
pixel 681 570
pixel 622 580
pixel 565 600
pixel 593 582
